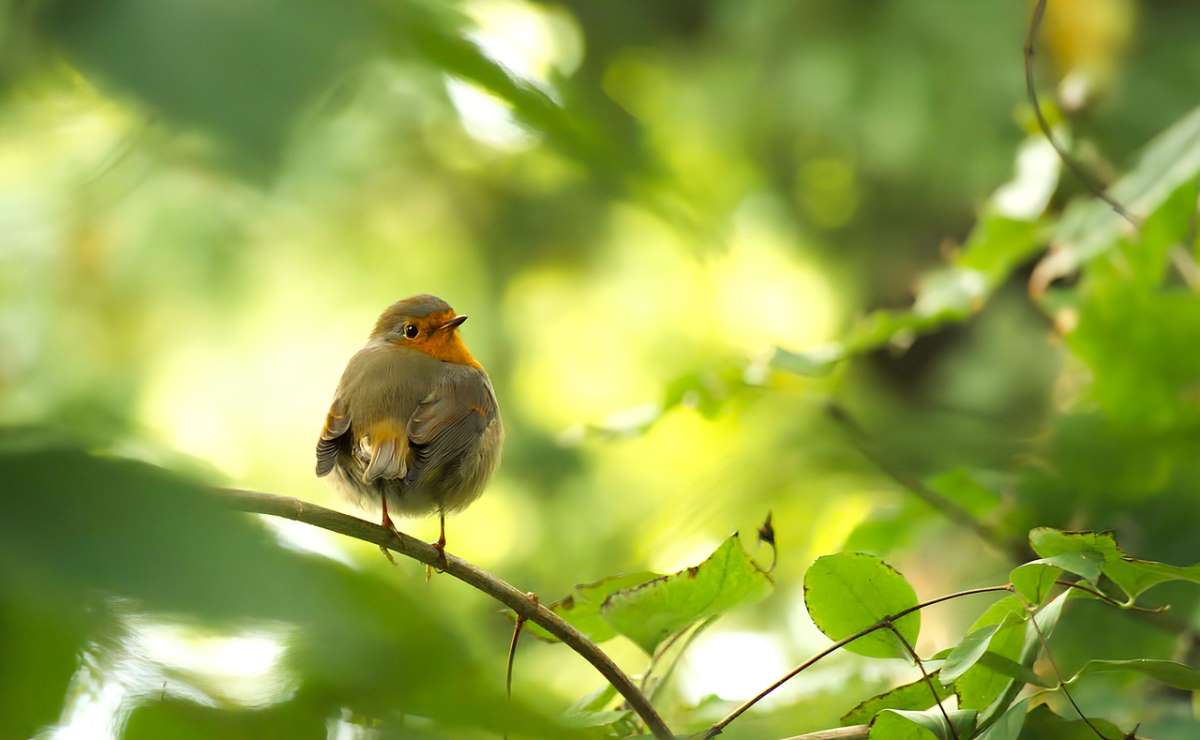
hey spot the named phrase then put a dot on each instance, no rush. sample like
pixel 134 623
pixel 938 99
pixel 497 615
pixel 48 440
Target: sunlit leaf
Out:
pixel 915 695
pixel 848 592
pixel 650 612
pixel 582 606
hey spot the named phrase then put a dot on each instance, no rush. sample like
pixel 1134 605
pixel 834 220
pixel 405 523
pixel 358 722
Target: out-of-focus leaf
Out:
pixel 184 720
pixel 1090 226
pixel 915 695
pixel 968 652
pixel 1043 724
pixel 899 724
pixel 850 591
pixel 241 71
pixel 650 612
pixel 582 606
pixel 888 529
pixel 1171 673
pixel 996 246
pixel 1008 726
pixel 1129 339
pixel 963 488
pixel 89 531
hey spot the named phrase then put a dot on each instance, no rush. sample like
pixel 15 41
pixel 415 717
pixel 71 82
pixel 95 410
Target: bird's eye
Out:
pixel 411 331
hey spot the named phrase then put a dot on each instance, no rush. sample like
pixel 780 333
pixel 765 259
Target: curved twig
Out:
pixel 521 603
pixel 881 624
pixel 912 651
pixel 1062 686
pixel 1035 23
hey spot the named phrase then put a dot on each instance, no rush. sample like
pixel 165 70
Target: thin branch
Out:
pixel 881 624
pixel 521 603
pixel 912 651
pixel 1035 23
pixel 666 676
pixel 1113 602
pixel 1062 686
pixel 512 655
pixel 861 440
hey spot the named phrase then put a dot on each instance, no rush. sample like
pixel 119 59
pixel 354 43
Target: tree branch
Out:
pixel 521 603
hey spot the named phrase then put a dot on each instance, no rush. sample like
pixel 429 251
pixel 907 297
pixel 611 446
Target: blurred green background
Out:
pixel 204 206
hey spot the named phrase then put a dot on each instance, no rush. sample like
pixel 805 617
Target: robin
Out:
pixel 414 425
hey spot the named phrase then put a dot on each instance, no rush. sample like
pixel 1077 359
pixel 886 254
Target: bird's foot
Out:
pixel 390 526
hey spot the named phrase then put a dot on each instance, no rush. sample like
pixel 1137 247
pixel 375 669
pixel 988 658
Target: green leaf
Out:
pixel 1171 673
pixel 1013 669
pixel 915 695
pixel 1046 619
pixel 899 724
pixel 968 652
pixel 980 685
pixel 650 612
pixel 581 607
pixel 848 592
pixel 1034 580
pixel 1043 724
pixel 1008 727
pixel 1133 576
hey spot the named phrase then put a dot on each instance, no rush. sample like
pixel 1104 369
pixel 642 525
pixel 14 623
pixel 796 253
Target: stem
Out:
pixel 521 603
pixel 1111 601
pixel 881 624
pixel 1061 683
pixel 925 676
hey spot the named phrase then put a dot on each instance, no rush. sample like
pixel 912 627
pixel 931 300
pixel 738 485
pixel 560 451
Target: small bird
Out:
pixel 414 423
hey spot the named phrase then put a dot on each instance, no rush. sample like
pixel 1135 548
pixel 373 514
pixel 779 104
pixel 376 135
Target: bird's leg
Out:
pixel 387 523
pixel 440 546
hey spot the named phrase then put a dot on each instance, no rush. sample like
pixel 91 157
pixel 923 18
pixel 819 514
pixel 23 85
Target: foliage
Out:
pixel 726 218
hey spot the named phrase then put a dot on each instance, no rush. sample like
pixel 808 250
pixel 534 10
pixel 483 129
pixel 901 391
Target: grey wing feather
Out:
pixel 448 423
pixel 337 423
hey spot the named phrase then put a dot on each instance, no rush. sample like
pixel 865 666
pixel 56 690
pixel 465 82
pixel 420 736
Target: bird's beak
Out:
pixel 453 323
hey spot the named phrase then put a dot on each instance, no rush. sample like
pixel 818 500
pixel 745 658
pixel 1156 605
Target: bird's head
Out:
pixel 427 324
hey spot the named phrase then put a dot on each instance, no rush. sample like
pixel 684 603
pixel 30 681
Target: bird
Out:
pixel 414 426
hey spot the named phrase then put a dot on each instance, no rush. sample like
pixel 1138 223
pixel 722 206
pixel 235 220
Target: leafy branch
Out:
pixel 525 606
pixel 886 623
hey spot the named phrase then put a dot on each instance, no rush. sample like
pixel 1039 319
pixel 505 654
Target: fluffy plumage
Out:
pixel 414 420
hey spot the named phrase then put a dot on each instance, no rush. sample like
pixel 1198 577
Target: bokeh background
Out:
pixel 204 206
